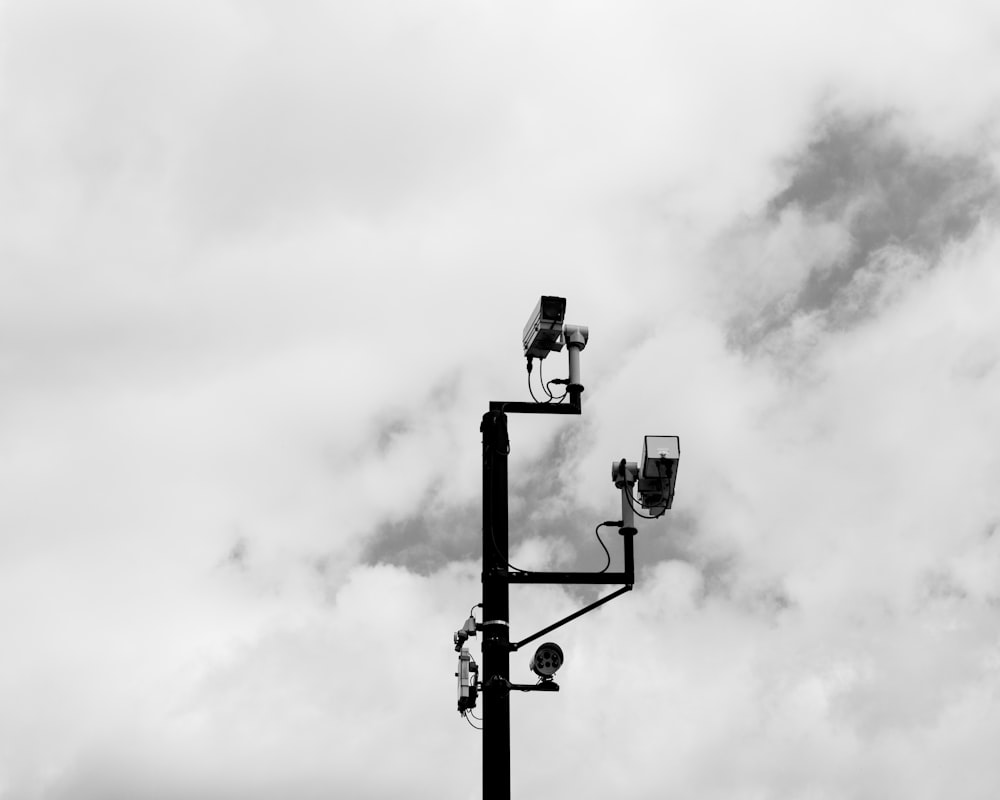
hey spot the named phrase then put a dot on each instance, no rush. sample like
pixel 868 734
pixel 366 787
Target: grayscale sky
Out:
pixel 262 267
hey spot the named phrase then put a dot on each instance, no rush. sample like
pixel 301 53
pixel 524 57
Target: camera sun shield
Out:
pixel 655 450
pixel 543 333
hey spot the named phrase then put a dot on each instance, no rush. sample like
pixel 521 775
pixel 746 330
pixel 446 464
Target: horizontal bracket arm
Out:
pixel 627 577
pixel 520 407
pixel 546 685
pixel 571 577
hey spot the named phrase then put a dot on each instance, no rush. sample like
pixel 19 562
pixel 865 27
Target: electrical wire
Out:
pixel 545 385
pixel 541 379
pixel 597 533
pixel 496 547
pixel 631 502
pixel 561 397
pixel 530 390
pixel 478 728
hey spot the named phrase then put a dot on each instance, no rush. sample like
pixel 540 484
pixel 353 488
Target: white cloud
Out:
pixel 263 269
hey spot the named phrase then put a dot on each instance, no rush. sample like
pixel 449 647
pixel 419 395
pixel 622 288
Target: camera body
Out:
pixel 658 471
pixel 543 334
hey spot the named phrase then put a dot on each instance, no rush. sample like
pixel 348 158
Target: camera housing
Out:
pixel 658 475
pixel 543 333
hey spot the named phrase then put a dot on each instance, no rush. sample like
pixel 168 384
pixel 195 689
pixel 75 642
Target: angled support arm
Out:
pixel 572 577
pixel 627 578
pixel 570 618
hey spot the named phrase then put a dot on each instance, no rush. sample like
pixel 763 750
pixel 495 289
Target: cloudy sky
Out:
pixel 264 265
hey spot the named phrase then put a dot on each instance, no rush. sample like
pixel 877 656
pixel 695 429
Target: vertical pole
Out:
pixel 576 339
pixel 628 529
pixel 628 535
pixel 574 387
pixel 496 612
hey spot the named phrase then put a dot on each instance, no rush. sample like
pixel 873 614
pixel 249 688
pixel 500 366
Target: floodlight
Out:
pixel 544 332
pixel 547 660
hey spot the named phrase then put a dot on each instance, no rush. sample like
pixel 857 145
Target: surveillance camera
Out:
pixel 547 660
pixel 544 332
pixel 660 456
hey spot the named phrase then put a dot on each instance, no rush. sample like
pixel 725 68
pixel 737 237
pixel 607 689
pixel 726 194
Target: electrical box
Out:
pixel 467 673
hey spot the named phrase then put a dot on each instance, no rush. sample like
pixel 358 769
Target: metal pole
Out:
pixel 627 529
pixel 496 612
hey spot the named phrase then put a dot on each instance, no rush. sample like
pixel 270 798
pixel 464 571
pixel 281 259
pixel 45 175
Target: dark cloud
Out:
pixel 425 542
pixel 237 555
pixel 441 532
pixel 389 432
pixel 900 203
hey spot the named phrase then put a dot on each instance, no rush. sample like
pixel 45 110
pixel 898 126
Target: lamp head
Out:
pixel 547 660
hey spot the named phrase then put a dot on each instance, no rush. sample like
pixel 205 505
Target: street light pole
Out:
pixel 544 333
pixel 496 647
pixel 496 611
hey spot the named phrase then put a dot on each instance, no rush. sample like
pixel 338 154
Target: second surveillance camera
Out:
pixel 544 332
pixel 658 476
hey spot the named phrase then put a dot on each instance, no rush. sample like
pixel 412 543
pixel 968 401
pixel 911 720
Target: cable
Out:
pixel 545 385
pixel 469 712
pixel 496 547
pixel 473 609
pixel 631 502
pixel 541 379
pixel 597 533
pixel 530 390
pixel 470 721
pixel 627 491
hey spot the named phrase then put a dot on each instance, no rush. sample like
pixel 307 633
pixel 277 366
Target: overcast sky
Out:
pixel 264 265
